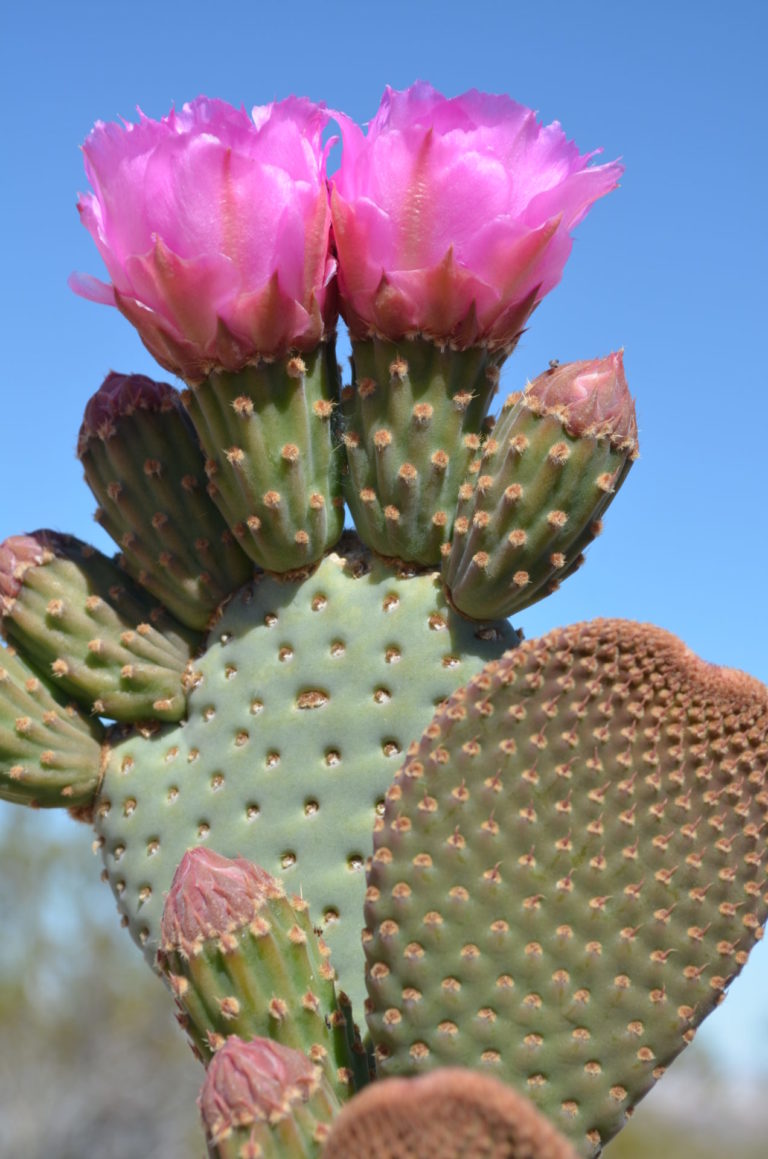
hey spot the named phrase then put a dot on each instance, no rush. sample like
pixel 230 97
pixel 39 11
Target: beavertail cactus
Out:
pixel 453 1113
pixel 284 731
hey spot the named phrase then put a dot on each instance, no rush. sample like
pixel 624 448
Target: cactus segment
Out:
pixel 412 422
pixel 50 754
pixel 272 458
pixel 548 472
pixel 143 463
pixel 453 1113
pixel 243 958
pixel 304 702
pixel 571 870
pixel 261 1100
pixel 75 616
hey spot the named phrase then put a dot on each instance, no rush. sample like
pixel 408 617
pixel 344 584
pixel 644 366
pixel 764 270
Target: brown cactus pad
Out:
pixel 453 1113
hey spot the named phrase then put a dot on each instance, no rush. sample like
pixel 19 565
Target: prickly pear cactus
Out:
pixel 328 779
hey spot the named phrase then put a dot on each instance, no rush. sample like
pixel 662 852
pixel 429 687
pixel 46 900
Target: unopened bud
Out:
pixel 256 1081
pixel 590 397
pixel 211 895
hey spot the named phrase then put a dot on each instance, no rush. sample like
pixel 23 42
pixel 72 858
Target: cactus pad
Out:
pixel 452 1113
pixel 571 870
pixel 303 706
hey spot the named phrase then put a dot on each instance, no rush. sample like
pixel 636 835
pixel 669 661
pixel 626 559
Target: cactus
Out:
pixel 452 1113
pixel 283 731
pixel 243 959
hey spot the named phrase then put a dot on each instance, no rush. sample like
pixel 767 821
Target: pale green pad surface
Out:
pixel 252 773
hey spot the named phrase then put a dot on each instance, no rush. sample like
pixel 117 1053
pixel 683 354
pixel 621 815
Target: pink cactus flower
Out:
pixel 453 218
pixel 214 227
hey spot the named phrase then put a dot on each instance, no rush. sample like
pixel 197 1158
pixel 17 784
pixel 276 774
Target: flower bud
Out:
pixel 254 1080
pixel 211 895
pixel 590 397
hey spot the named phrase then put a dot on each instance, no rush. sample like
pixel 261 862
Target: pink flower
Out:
pixel 453 218
pixel 214 228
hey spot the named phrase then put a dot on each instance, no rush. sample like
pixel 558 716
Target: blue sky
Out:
pixel 671 266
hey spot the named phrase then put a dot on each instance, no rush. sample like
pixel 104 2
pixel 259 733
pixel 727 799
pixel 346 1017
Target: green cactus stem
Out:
pixel 412 431
pixel 78 619
pixel 571 870
pixel 50 754
pixel 550 468
pixel 261 1100
pixel 243 958
pixel 299 712
pixel 453 1113
pixel 143 463
pixel 272 458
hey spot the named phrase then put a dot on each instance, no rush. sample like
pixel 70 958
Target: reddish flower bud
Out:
pixel 591 397
pixel 119 395
pixel 253 1081
pixel 212 895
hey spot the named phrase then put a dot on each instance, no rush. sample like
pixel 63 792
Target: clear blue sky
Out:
pixel 671 266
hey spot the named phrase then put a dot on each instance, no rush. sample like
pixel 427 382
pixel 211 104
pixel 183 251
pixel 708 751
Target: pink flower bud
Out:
pixel 214 227
pixel 253 1081
pixel 453 218
pixel 210 896
pixel 591 398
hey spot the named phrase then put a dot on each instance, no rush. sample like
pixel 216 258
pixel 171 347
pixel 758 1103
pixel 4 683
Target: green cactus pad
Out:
pixel 261 1100
pixel 50 754
pixel 75 616
pixel 571 870
pixel 533 506
pixel 272 457
pixel 242 957
pixel 143 463
pixel 303 706
pixel 412 428
pixel 452 1113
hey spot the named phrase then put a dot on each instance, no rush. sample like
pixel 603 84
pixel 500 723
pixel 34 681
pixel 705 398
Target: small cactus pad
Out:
pixel 261 1100
pixel 50 754
pixel 453 1113
pixel 571 870
pixel 549 470
pixel 412 429
pixel 272 457
pixel 243 958
pixel 304 704
pixel 144 464
pixel 76 617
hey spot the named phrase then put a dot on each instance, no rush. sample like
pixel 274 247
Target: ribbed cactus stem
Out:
pixel 243 958
pixel 50 753
pixel 272 457
pixel 412 430
pixel 261 1100
pixel 81 621
pixel 143 462
pixel 548 471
